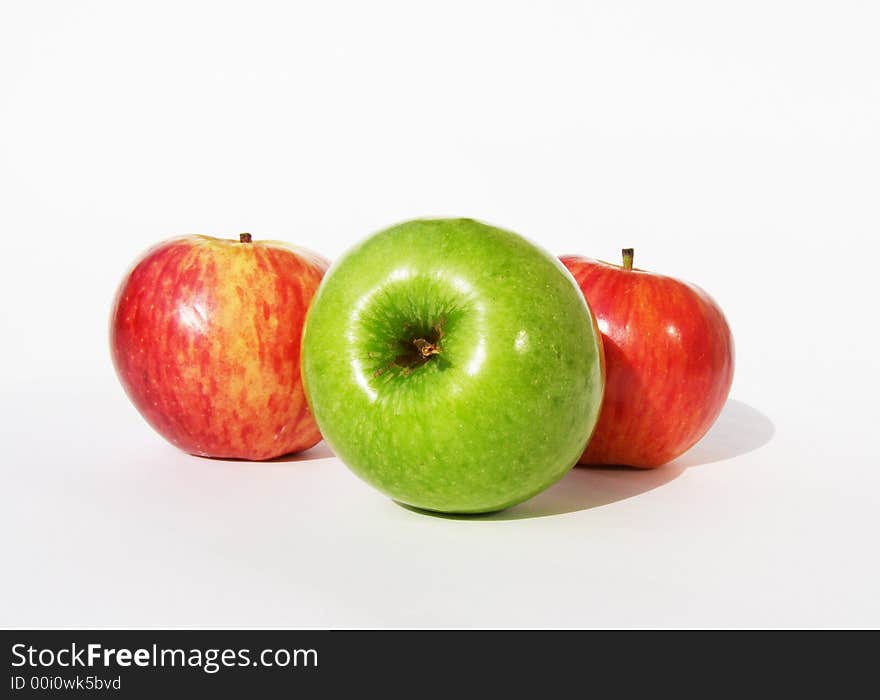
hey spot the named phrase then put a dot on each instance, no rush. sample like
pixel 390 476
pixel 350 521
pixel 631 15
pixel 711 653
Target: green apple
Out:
pixel 453 365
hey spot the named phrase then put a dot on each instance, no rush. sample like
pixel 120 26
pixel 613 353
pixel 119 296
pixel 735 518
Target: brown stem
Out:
pixel 244 237
pixel 425 348
pixel 628 254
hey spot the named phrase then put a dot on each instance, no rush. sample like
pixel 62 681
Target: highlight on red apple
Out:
pixel 205 335
pixel 669 360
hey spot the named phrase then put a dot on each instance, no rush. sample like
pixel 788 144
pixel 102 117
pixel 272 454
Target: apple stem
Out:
pixel 244 237
pixel 628 254
pixel 425 348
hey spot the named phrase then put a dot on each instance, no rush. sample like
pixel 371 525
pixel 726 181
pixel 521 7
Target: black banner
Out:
pixel 136 664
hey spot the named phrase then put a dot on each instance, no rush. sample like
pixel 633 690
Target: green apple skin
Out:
pixel 502 400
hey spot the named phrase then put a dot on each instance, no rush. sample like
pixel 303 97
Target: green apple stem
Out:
pixel 425 348
pixel 244 237
pixel 628 254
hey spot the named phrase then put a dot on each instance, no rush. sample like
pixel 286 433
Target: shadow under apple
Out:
pixel 739 429
pixel 319 451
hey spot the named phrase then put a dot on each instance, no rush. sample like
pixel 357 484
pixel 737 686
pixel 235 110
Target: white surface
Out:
pixel 734 145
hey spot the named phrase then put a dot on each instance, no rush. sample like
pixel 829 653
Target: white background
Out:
pixel 735 145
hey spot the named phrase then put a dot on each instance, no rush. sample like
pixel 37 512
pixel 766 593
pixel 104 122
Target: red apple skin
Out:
pixel 205 337
pixel 669 360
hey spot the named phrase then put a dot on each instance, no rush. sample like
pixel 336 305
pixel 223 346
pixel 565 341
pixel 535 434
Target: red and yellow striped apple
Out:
pixel 205 336
pixel 668 357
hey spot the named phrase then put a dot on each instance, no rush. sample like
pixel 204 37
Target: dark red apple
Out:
pixel 205 335
pixel 669 361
